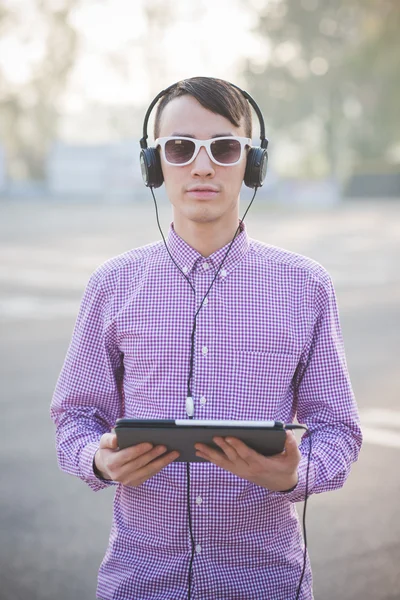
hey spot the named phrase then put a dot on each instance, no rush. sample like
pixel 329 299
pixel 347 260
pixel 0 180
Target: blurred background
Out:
pixel 76 77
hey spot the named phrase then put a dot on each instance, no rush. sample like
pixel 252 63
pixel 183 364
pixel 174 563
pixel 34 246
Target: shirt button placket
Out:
pixel 206 326
pixel 203 331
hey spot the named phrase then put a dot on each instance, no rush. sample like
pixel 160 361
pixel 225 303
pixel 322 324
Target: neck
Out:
pixel 206 238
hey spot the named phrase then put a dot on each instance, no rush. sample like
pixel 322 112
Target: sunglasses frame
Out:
pixel 198 144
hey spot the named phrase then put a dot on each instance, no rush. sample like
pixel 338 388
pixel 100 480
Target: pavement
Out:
pixel 53 528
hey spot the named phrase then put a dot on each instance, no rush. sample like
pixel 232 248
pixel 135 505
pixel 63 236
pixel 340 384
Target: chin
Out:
pixel 202 214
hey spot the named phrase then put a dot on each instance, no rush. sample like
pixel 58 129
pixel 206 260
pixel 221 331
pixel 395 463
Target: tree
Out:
pixel 29 115
pixel 333 68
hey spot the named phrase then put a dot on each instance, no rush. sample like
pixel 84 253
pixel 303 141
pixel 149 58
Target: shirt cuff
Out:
pixel 298 493
pixel 86 467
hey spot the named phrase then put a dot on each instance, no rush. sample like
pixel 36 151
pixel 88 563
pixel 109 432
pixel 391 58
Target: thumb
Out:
pixel 108 440
pixel 290 442
pixel 292 451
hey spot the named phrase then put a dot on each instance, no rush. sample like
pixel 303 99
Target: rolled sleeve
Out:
pixel 88 397
pixel 325 403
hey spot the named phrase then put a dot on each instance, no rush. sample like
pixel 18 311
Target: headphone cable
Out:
pixel 295 426
pixel 189 392
pixel 289 426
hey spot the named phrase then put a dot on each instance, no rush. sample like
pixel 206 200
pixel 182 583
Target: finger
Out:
pixel 209 458
pixel 114 442
pixel 127 455
pixel 227 448
pixel 147 471
pixel 290 443
pixel 243 451
pixel 205 449
pixel 147 457
pixel 291 454
pixel 129 471
pixel 215 456
pixel 108 440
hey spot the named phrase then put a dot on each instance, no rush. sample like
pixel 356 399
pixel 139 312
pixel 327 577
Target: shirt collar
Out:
pixel 188 258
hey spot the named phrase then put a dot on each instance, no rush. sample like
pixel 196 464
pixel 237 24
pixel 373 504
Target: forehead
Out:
pixel 185 115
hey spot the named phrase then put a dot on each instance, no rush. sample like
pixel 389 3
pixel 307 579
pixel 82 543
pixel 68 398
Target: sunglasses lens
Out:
pixel 179 151
pixel 226 151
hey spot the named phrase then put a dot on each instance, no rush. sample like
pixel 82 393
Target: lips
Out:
pixel 203 188
pixel 205 192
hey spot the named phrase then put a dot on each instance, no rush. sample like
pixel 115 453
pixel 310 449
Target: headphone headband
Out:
pixel 143 141
pixel 257 157
pixel 263 140
pixel 253 103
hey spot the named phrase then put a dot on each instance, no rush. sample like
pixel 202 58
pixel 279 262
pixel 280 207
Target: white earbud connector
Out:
pixel 189 406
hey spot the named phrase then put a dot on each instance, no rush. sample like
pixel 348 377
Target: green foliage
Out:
pixel 29 110
pixel 334 67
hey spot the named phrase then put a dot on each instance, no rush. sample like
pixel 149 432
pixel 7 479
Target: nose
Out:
pixel 202 166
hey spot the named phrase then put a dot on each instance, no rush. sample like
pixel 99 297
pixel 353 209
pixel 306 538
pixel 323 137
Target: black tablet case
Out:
pixel 265 440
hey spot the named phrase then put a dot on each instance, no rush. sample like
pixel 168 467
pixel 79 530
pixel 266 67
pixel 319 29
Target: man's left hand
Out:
pixel 275 473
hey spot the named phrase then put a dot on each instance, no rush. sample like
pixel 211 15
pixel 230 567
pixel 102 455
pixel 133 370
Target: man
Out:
pixel 267 345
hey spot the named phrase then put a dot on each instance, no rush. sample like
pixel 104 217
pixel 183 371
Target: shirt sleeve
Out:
pixel 88 396
pixel 325 403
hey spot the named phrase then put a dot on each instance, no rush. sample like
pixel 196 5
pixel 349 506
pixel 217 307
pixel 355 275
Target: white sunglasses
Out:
pixel 181 151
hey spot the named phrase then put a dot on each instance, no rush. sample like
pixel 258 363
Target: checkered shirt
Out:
pixel 268 345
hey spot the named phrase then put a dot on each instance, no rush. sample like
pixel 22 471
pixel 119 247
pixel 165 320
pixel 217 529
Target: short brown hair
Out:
pixel 216 95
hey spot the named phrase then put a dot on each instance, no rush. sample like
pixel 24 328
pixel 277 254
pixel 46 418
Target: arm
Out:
pixel 88 396
pixel 325 403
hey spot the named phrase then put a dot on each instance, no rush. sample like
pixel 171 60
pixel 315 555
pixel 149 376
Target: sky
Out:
pixel 210 37
pixel 121 62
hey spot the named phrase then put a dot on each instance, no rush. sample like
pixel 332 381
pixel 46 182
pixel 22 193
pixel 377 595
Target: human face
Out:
pixel 202 191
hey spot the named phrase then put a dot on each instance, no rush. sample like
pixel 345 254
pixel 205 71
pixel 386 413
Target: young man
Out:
pixel 267 345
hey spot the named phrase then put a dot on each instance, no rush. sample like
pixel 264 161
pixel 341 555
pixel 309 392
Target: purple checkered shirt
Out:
pixel 271 314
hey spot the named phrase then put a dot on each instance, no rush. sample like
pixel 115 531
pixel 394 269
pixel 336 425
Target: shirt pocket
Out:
pixel 263 384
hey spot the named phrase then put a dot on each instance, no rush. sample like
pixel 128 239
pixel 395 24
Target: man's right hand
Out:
pixel 130 466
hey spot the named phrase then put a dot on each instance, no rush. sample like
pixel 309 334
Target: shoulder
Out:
pixel 125 266
pixel 292 263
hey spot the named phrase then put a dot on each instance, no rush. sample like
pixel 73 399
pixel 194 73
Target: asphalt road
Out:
pixel 53 528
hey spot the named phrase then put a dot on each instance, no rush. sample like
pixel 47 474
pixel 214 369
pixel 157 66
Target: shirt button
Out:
pixel 206 266
pixel 204 349
pixel 199 500
pixel 198 548
pixel 203 400
pixel 223 273
pixel 205 302
pixel 185 269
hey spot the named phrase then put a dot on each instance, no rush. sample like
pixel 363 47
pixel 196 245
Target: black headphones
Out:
pixel 257 157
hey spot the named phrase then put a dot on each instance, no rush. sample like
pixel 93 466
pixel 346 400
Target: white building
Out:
pixel 105 171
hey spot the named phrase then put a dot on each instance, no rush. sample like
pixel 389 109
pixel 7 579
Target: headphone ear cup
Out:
pixel 256 167
pixel 150 165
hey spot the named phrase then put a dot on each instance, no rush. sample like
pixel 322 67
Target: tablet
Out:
pixel 266 437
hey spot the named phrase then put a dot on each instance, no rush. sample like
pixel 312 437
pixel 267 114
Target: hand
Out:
pixel 276 473
pixel 130 466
